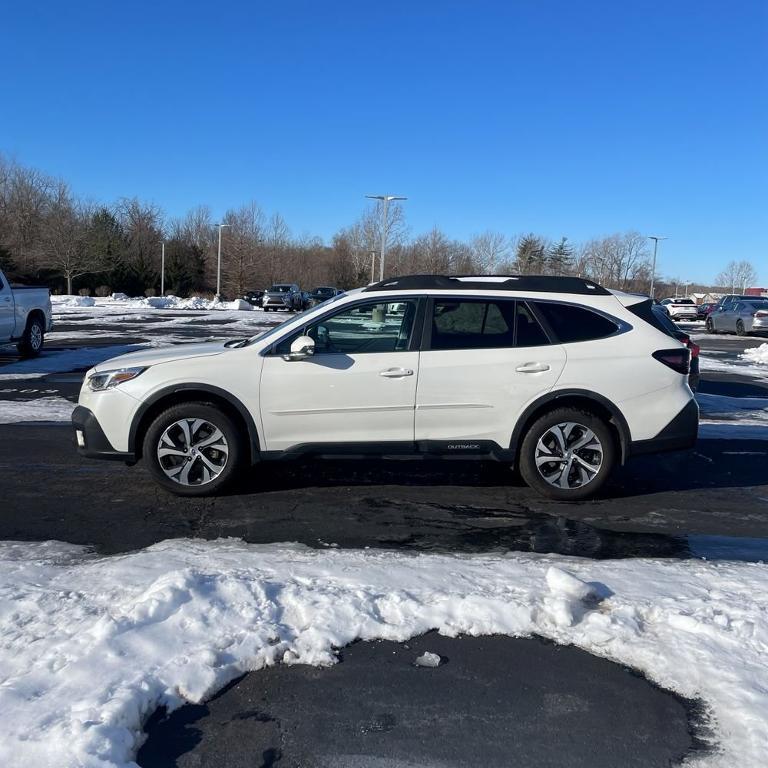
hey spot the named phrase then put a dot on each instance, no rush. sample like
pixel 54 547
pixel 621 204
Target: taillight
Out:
pixel 694 347
pixel 679 360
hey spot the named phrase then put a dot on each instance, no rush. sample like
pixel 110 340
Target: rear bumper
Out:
pixel 91 440
pixel 680 434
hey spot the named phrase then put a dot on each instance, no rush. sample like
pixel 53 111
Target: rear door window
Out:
pixel 484 324
pixel 571 323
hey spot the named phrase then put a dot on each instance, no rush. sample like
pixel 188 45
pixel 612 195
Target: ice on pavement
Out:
pixel 428 659
pixel 90 646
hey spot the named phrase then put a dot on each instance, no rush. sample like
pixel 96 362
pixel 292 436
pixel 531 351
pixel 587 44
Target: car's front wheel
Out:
pixel 567 454
pixel 193 449
pixel 740 328
pixel 710 326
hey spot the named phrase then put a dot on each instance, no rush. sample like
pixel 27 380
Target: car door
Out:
pixel 359 386
pixel 7 320
pixel 483 361
pixel 728 318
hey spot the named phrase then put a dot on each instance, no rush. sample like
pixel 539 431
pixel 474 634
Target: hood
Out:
pixel 155 355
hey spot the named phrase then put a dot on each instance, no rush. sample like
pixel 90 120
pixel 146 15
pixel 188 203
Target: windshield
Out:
pixel 278 328
pixel 279 289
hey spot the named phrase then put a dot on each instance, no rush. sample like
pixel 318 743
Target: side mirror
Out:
pixel 301 348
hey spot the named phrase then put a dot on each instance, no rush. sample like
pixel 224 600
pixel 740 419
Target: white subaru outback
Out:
pixel 557 376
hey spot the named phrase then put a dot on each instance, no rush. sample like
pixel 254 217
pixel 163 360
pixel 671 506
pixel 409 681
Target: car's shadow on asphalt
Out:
pixel 711 464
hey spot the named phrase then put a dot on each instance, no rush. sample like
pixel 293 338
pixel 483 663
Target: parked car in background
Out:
pixel 25 316
pixel 323 293
pixel 742 317
pixel 306 300
pixel 680 308
pixel 703 310
pixel 669 327
pixel 555 376
pixel 283 296
pixel 253 297
pixel 727 301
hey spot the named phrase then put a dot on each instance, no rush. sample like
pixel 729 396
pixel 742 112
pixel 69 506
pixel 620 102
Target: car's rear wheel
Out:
pixel 193 449
pixel 740 328
pixel 567 454
pixel 31 343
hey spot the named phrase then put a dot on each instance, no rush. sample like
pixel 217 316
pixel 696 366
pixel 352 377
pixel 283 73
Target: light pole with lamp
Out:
pixel 385 199
pixel 655 239
pixel 218 264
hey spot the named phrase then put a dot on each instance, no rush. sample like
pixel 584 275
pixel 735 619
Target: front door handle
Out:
pixel 396 373
pixel 532 368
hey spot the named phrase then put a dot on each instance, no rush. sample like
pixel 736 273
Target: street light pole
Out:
pixel 218 264
pixel 655 239
pixel 162 271
pixel 385 199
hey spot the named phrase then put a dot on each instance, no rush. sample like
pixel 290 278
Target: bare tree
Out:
pixel 63 241
pixel 490 250
pixel 737 276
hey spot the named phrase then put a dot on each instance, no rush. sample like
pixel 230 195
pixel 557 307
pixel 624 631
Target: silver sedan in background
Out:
pixel 745 316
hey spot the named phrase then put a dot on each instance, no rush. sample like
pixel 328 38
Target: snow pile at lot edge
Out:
pixel 154 302
pixel 41 409
pixel 757 354
pixel 90 646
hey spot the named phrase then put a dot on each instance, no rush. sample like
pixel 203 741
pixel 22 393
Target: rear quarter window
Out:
pixel 571 323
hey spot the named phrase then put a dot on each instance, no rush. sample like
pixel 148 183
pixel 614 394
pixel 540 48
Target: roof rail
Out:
pixel 532 283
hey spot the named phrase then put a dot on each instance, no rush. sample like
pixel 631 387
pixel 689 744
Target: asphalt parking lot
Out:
pixel 711 502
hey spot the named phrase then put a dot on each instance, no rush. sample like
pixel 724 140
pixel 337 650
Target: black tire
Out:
pixel 228 454
pixel 576 488
pixel 710 326
pixel 32 341
pixel 740 330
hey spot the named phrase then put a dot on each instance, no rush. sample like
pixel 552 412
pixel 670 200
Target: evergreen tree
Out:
pixel 560 258
pixel 530 255
pixel 184 267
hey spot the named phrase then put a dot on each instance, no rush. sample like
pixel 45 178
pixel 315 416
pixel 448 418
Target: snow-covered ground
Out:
pixel 89 645
pixel 121 301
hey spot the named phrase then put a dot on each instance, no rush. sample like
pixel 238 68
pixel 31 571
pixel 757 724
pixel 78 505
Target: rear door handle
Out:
pixel 396 373
pixel 532 368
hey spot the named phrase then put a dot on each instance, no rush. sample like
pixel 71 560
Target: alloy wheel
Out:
pixel 192 452
pixel 569 455
pixel 35 336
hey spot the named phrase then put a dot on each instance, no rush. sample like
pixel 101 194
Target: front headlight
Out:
pixel 98 382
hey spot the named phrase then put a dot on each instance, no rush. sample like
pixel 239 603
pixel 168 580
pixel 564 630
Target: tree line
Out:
pixel 48 234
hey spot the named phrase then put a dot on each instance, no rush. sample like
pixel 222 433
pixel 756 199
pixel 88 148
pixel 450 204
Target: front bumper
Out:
pixel 91 440
pixel 680 434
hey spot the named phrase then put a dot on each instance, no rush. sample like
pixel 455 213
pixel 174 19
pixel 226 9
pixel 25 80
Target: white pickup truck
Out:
pixel 25 316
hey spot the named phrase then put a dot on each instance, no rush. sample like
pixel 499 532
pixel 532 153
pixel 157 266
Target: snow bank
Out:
pixel 756 354
pixel 73 301
pixel 121 301
pixel 90 646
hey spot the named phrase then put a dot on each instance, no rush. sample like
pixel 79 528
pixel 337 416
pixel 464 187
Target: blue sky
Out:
pixel 562 118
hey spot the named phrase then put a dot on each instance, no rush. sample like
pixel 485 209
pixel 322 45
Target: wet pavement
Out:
pixel 492 702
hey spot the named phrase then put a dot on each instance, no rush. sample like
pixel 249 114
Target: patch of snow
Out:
pixel 90 646
pixel 62 361
pixel 756 354
pixel 723 407
pixel 710 429
pixel 428 659
pixel 707 363
pixel 41 409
